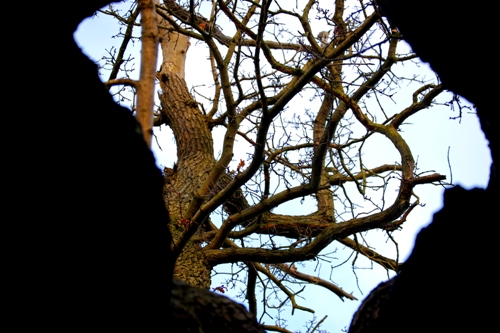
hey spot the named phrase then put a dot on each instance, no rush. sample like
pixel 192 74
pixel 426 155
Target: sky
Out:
pixel 436 142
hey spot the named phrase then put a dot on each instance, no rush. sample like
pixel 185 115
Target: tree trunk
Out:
pixel 195 156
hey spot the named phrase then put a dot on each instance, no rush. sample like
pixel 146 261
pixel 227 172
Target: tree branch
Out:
pixel 123 46
pixel 123 81
pixel 149 56
pixel 292 271
pixel 276 328
pixel 283 288
pixel 370 254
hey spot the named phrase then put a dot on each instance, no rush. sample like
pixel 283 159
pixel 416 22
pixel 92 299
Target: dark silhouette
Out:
pixel 93 233
pixel 90 239
pixel 91 226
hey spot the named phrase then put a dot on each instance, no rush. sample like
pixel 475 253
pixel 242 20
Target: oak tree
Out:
pixel 307 105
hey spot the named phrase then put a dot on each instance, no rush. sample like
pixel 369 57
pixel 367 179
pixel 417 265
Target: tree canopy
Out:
pixel 294 145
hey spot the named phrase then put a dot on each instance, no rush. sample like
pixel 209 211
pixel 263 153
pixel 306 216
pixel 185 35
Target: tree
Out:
pixel 265 56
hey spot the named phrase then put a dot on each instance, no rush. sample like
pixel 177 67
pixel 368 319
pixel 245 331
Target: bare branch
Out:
pixel 276 328
pixel 123 81
pixel 149 54
pixel 370 254
pixel 123 46
pixel 283 288
pixel 292 270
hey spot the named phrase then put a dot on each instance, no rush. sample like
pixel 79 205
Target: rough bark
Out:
pixel 195 156
pixel 196 310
